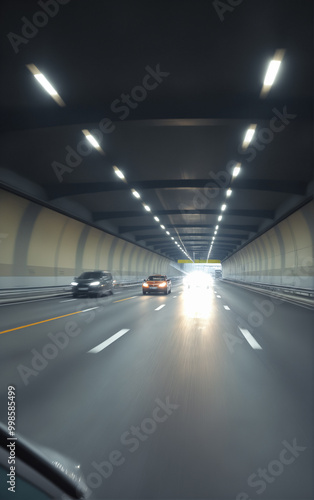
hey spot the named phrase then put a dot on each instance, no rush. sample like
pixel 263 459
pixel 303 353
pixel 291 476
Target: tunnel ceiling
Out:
pixel 169 90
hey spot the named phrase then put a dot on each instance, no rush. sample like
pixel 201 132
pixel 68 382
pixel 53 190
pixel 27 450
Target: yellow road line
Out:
pixel 125 299
pixel 39 322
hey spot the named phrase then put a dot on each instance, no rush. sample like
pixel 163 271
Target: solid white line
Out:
pixel 218 296
pixel 160 307
pixel 109 341
pixel 227 308
pixel 90 309
pixel 251 340
pixel 68 300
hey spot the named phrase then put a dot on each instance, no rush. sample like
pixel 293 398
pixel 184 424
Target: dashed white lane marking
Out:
pixel 90 309
pixel 227 308
pixel 251 340
pixel 174 297
pixel 218 296
pixel 68 300
pixel 160 307
pixel 109 341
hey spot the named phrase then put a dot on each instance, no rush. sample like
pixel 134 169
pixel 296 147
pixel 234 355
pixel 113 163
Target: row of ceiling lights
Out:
pixel 270 77
pixel 235 173
pixel 269 80
pixel 54 94
pixel 148 209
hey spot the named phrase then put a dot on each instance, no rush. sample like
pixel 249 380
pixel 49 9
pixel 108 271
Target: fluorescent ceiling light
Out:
pixel 249 136
pixel 236 170
pixel 95 144
pixel 135 193
pixel 45 84
pixel 156 219
pixel 162 227
pixel 172 237
pixel 217 227
pixel 272 72
pixel 223 207
pixel 167 232
pixel 147 208
pixel 213 237
pixel 220 218
pixel 215 232
pixel 118 172
pixel 92 140
pixel 229 191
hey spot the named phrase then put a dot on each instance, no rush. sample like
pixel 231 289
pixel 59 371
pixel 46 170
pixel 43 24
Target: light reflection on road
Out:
pixel 198 302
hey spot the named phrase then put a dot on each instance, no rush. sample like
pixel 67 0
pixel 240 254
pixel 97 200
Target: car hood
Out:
pixel 65 473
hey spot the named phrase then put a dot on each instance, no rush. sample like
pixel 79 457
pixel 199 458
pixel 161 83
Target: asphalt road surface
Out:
pixel 201 394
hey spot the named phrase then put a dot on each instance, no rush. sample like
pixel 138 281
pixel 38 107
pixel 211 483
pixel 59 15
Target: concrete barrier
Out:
pixel 41 247
pixel 282 256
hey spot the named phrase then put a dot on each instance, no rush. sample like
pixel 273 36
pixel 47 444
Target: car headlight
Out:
pixel 163 284
pixel 145 284
pixel 74 283
pixel 95 283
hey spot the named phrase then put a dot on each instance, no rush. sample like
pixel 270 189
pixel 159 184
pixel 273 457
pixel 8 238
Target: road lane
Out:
pixel 75 334
pixel 284 331
pixel 234 409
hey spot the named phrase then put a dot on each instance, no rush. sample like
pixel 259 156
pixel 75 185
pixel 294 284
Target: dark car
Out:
pixel 93 283
pixel 157 283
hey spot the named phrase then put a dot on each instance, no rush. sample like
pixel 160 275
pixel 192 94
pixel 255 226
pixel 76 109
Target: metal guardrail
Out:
pixel 290 290
pixel 35 289
pixel 276 289
pixel 7 293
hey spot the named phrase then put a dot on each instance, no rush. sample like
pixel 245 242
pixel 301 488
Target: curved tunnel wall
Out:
pixel 41 247
pixel 284 255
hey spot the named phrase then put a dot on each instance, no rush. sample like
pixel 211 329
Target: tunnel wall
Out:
pixel 281 256
pixel 41 247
